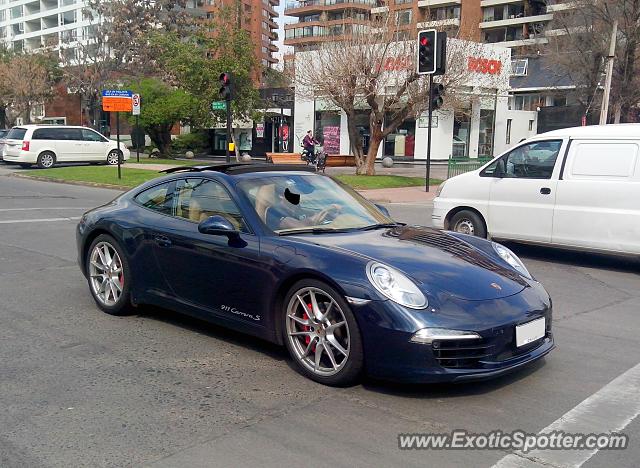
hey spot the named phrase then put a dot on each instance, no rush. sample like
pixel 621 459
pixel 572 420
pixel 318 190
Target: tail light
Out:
pixel 25 146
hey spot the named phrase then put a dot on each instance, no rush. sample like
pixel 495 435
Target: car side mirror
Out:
pixel 218 226
pixel 383 209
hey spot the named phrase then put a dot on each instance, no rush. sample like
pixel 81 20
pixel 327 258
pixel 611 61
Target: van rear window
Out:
pixel 16 133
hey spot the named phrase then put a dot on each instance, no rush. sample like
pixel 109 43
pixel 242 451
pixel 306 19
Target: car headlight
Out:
pixel 396 286
pixel 429 335
pixel 440 187
pixel 512 259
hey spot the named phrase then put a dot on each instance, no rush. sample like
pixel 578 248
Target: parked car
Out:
pixel 576 188
pixel 3 134
pixel 297 258
pixel 47 145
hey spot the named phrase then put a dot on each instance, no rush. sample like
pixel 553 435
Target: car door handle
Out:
pixel 162 241
pixel 545 190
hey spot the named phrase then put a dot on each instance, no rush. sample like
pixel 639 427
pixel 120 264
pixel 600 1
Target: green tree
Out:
pixel 162 107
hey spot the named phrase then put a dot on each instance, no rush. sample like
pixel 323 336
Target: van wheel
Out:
pixel 468 222
pixel 46 160
pixel 112 157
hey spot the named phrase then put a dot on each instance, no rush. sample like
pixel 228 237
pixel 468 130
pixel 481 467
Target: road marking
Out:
pixel 41 220
pixel 45 208
pixel 610 409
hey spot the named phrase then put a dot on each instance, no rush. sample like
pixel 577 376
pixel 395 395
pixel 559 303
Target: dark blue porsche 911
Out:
pixel 299 259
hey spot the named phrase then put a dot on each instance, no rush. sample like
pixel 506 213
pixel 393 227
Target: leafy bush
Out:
pixel 196 142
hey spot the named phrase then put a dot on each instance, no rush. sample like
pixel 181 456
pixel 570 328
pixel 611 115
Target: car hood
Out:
pixel 437 261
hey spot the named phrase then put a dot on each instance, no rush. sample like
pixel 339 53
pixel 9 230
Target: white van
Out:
pixel 46 145
pixel 576 188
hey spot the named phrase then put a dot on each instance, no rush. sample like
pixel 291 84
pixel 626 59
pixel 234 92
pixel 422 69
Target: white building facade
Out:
pixel 481 125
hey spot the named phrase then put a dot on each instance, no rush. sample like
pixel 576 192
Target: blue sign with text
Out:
pixel 116 93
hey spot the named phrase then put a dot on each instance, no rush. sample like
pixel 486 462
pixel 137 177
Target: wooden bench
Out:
pixel 284 158
pixel 341 160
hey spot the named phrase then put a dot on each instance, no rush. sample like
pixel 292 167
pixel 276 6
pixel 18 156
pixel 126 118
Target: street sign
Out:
pixel 116 100
pixel 218 105
pixel 135 101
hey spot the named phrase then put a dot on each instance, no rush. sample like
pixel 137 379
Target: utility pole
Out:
pixel 604 111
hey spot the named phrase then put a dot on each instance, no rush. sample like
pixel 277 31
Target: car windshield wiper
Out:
pixel 381 226
pixel 290 232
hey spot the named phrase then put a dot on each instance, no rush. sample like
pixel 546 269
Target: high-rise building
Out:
pixel 258 17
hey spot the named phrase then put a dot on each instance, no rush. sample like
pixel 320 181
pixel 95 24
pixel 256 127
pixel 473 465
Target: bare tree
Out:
pixel 369 69
pixel 581 49
pixel 25 81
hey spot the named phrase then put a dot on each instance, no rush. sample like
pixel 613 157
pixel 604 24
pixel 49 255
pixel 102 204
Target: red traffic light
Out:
pixel 424 41
pixel 224 78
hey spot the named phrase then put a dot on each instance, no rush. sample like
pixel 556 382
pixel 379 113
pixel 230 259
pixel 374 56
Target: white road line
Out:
pixel 41 220
pixel 45 208
pixel 610 409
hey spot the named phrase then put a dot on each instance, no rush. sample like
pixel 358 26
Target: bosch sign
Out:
pixel 486 66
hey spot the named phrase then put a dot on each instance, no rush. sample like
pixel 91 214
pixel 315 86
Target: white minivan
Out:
pixel 46 145
pixel 575 188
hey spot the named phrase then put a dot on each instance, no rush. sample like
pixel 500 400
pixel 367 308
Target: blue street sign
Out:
pixel 116 93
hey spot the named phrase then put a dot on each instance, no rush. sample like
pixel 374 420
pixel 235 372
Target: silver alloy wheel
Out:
pixel 465 226
pixel 46 160
pixel 112 158
pixel 318 331
pixel 106 273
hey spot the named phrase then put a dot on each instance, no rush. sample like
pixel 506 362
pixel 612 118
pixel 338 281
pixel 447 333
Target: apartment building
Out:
pixel 259 19
pixel 330 20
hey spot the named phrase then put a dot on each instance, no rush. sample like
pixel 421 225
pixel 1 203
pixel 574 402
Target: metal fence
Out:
pixel 459 166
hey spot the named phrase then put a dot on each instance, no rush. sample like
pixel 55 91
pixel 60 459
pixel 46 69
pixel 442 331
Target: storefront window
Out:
pixel 362 124
pixel 327 131
pixel 461 126
pixel 401 143
pixel 485 142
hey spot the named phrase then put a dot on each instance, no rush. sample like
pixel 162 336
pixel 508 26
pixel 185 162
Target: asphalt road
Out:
pixel 81 388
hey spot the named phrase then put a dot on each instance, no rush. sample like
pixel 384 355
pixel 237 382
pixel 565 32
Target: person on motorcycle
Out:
pixel 308 142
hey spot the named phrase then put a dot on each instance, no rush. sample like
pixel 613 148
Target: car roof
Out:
pixel 34 126
pixel 595 131
pixel 236 169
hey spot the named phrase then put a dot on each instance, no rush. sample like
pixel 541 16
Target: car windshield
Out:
pixel 292 203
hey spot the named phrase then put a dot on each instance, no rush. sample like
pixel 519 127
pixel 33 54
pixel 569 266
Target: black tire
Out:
pixel 468 222
pixel 46 160
pixel 352 365
pixel 123 304
pixel 112 157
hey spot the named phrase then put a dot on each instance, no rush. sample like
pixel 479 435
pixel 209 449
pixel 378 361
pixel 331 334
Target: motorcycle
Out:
pixel 317 159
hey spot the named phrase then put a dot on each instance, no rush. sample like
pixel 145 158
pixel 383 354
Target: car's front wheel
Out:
pixel 321 334
pixel 112 157
pixel 109 276
pixel 468 222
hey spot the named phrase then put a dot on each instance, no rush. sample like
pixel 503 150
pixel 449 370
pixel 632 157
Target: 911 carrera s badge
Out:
pixel 496 286
pixel 235 311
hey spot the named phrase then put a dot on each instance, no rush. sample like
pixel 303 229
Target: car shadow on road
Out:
pixel 576 258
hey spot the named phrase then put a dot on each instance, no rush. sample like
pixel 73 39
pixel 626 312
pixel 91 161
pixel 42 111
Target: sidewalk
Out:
pixel 401 195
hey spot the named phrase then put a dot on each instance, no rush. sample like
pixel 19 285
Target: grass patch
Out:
pixel 170 162
pixel 96 174
pixel 364 182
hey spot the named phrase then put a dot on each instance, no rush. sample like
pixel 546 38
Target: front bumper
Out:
pixel 438 214
pixel 387 329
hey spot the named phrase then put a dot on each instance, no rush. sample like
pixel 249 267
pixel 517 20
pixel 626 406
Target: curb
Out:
pixel 81 183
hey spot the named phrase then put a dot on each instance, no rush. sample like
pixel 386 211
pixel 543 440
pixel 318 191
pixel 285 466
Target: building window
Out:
pixel 509 122
pixel 531 125
pixel 519 67
pixel 527 102
pixel 403 17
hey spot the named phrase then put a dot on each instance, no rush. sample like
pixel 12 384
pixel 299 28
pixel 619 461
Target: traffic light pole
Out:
pixel 118 143
pixel 228 130
pixel 428 176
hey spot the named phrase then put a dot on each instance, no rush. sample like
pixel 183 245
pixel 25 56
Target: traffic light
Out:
pixel 441 54
pixel 427 46
pixel 225 87
pixel 437 96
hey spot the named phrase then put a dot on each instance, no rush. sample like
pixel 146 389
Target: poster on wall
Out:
pixel 260 130
pixel 284 137
pixel 423 121
pixel 245 141
pixel 331 139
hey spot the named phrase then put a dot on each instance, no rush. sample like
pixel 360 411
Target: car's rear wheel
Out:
pixel 468 222
pixel 112 157
pixel 46 160
pixel 109 276
pixel 321 334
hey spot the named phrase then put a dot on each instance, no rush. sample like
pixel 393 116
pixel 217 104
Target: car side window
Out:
pixel 43 134
pixel 199 199
pixel 158 198
pixel 531 161
pixel 90 135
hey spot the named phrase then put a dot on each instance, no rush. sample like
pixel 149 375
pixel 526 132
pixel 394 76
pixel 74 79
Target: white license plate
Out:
pixel 530 332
